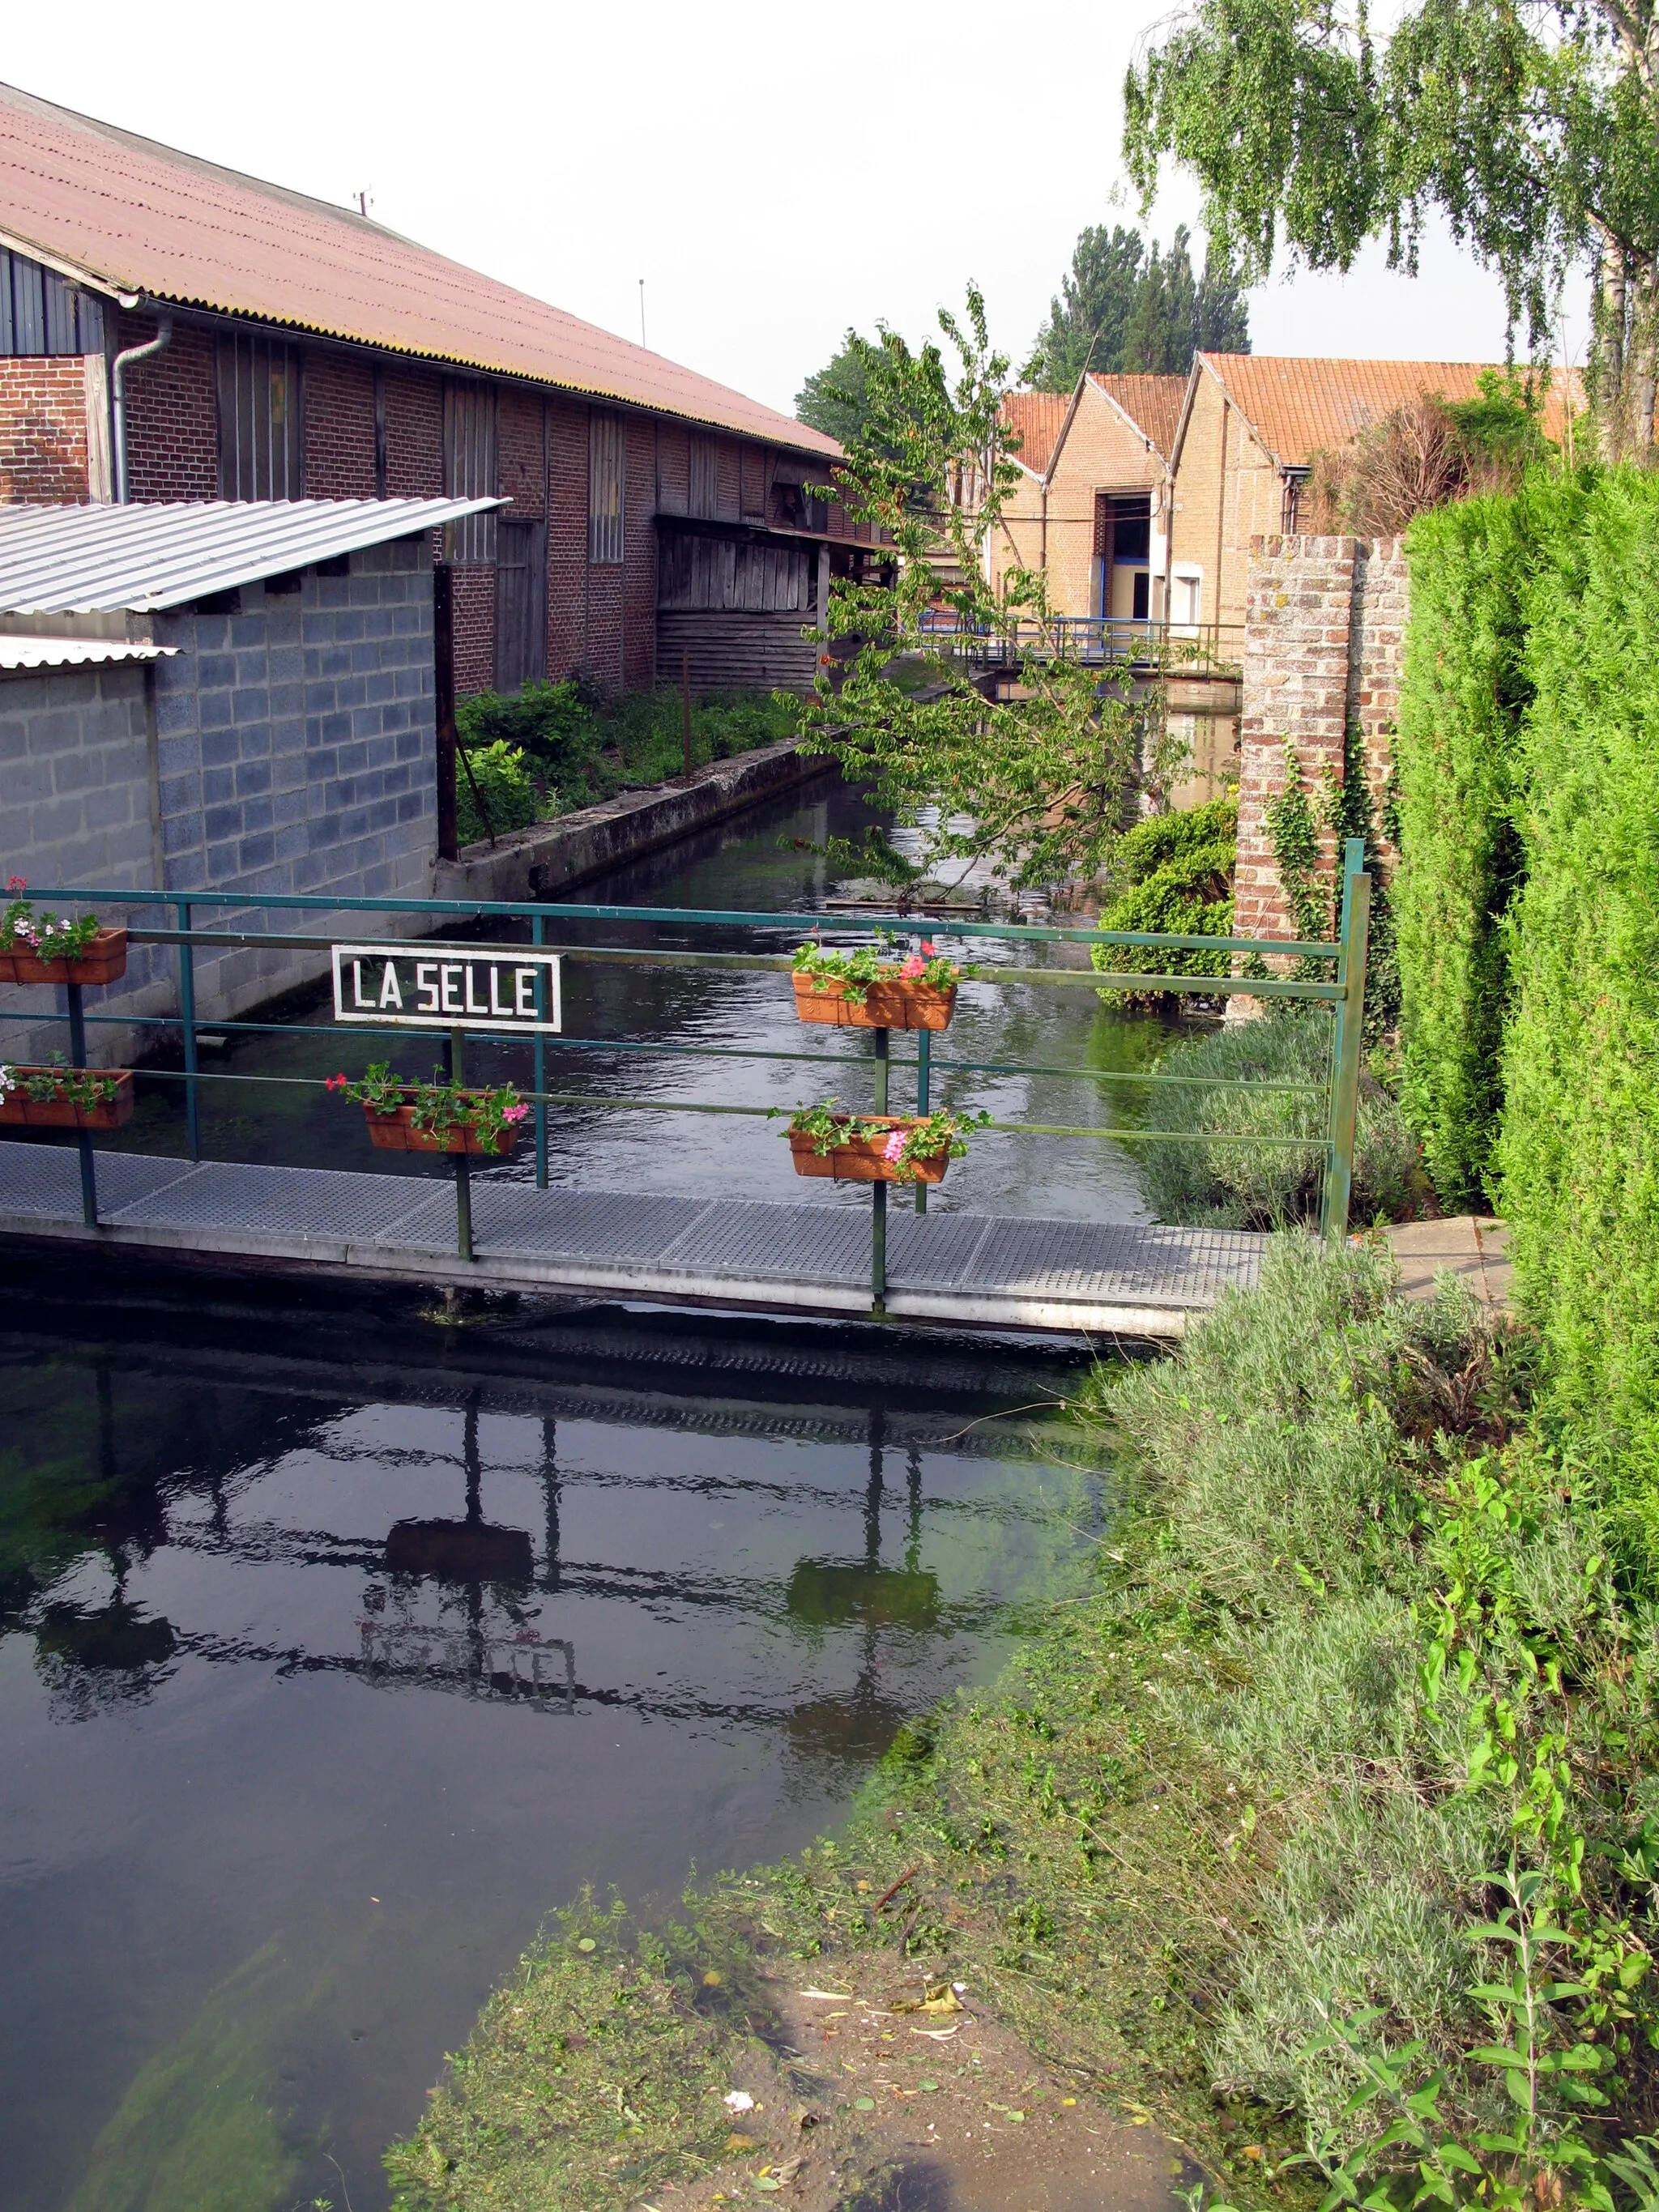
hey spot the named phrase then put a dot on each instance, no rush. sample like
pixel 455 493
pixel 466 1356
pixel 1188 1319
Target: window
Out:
pixel 470 470
pixel 1186 597
pixel 604 488
pixel 261 449
pixel 42 313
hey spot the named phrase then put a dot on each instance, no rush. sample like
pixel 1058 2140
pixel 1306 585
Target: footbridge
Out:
pixel 492 983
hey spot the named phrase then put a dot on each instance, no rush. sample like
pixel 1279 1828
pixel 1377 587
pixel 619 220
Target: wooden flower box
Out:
pixel 104 960
pixel 17 1110
pixel 396 1133
pixel 887 1006
pixel 861 1159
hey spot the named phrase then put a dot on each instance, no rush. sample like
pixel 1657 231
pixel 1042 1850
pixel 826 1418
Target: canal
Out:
pixel 337 1647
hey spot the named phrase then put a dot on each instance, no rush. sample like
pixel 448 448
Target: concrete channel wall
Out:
pixel 550 858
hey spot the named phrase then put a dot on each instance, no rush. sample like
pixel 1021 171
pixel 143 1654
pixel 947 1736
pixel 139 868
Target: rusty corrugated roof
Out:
pixel 140 218
pixel 1299 407
pixel 1152 404
pixel 1036 418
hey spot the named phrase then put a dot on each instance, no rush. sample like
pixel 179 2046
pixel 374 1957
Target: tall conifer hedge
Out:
pixel 1460 706
pixel 1578 1156
pixel 1528 901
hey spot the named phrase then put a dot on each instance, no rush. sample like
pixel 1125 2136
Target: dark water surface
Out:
pixel 322 1677
pixel 337 1647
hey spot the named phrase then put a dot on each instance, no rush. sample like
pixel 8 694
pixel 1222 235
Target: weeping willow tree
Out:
pixel 1038 783
pixel 1531 126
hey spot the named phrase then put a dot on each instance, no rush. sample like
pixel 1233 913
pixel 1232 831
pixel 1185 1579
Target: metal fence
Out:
pixel 1174 647
pixel 1330 973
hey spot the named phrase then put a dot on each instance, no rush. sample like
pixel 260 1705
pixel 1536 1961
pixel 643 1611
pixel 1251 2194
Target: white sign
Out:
pixel 446 987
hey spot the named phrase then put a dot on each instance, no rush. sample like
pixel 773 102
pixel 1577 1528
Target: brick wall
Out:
pixel 567 569
pixel 1325 623
pixel 474 630
pixel 339 404
pixel 173 414
pixel 43 429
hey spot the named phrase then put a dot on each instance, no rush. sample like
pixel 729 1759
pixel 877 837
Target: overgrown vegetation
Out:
pixel 1256 1157
pixel 1171 874
pixel 552 748
pixel 1315 1817
pixel 1431 452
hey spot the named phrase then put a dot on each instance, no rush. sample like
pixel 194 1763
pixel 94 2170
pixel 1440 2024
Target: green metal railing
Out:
pixel 1343 991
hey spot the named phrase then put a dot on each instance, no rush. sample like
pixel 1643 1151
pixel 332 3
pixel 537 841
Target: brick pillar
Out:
pixel 1298 627
pixel 1381 603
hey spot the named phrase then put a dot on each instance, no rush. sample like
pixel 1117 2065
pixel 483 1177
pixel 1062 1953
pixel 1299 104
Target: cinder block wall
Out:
pixel 289 746
pixel 1325 622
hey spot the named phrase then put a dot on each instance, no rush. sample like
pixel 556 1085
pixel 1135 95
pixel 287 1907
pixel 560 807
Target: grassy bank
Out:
pixel 552 748
pixel 1325 1783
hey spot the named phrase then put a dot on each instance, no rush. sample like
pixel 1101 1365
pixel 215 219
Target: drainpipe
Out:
pixel 133 354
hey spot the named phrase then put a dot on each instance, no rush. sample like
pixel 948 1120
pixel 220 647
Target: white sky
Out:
pixel 774 173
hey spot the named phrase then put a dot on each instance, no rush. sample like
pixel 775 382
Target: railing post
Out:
pixel 187 1020
pixel 463 1166
pixel 1353 936
pixel 77 1027
pixel 538 936
pixel 924 1074
pixel 878 1196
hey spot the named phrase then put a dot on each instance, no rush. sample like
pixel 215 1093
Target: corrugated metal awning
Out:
pixel 74 652
pixel 88 559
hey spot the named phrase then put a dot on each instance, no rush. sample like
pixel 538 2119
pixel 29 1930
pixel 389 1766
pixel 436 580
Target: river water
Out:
pixel 336 1647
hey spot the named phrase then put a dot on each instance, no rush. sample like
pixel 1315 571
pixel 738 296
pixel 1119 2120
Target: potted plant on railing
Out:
pixel 867 990
pixel 405 1115
pixel 61 1098
pixel 45 948
pixel 878 1147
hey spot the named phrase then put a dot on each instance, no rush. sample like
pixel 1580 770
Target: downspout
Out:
pixel 159 343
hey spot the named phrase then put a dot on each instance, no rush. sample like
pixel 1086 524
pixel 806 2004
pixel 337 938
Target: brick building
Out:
pixel 298 350
pixel 1090 510
pixel 1250 427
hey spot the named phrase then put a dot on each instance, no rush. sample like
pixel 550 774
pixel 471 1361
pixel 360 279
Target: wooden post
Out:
pixel 83 1137
pixel 1347 1044
pixel 685 701
pixel 443 669
pixel 878 1196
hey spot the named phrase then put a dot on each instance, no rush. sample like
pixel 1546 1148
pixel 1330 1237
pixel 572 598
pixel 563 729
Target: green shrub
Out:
pixel 503 783
pixel 581 744
pixel 1579 1152
pixel 1218 1179
pixel 1172 873
pixel 1461 701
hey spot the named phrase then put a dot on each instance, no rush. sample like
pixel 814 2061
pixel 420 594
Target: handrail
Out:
pixel 1344 993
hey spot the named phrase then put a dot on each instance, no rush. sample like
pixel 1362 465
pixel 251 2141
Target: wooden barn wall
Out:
pixel 719 573
pixel 753 651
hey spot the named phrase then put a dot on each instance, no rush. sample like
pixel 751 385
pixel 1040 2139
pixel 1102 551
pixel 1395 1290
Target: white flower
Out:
pixel 739 2100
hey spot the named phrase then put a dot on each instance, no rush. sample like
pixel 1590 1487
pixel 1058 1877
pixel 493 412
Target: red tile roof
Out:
pixel 1299 407
pixel 1152 404
pixel 142 219
pixel 1036 418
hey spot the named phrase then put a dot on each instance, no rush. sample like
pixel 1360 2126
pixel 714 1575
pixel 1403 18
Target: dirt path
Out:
pixel 897 2096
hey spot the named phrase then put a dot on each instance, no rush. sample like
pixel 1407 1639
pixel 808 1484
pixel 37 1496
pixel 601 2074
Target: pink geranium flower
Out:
pixel 915 966
pixel 893 1150
pixel 514 1113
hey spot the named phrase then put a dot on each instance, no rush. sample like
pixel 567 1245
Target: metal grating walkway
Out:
pixel 989 1269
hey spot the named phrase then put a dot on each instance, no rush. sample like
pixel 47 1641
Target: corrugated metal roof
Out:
pixel 74 652
pixel 139 217
pixel 1299 407
pixel 1152 404
pixel 87 559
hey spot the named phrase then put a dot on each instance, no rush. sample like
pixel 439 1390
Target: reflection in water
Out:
pixel 245 1907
